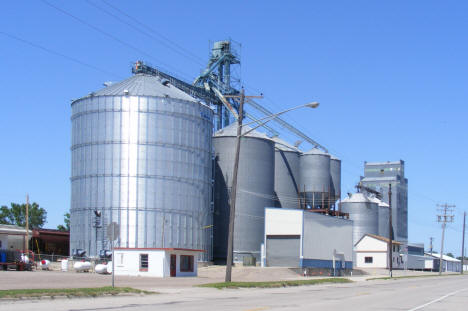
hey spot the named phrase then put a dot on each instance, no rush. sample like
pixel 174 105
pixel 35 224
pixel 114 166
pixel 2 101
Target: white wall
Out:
pixel 282 221
pixel 368 243
pixel 379 260
pixel 127 262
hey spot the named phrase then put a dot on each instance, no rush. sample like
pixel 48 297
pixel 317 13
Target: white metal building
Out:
pixel 449 264
pixel 13 237
pixel 156 262
pixel 301 238
pixel 371 251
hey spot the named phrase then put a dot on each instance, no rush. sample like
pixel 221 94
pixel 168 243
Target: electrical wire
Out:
pixel 107 34
pixel 50 51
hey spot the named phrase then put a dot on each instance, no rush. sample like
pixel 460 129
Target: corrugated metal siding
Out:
pixel 145 163
pixel 283 251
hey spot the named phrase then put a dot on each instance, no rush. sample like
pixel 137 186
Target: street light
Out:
pixel 232 211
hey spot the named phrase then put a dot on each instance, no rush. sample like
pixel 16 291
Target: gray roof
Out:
pixel 144 85
pixel 357 198
pixel 316 151
pixel 332 157
pixel 379 202
pixel 283 145
pixel 384 163
pixel 231 130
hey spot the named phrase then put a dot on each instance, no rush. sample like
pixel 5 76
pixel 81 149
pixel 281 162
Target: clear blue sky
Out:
pixel 391 78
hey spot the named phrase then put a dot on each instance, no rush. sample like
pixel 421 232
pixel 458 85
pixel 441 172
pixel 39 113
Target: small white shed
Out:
pixel 156 262
pixel 371 251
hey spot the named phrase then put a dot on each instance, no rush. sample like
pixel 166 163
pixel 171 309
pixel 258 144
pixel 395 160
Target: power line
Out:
pixel 50 51
pixel 445 217
pixel 187 55
pixel 107 34
pixel 194 57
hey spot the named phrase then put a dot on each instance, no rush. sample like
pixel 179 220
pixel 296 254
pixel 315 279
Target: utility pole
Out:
pixel 26 246
pixel 463 243
pixel 390 231
pixel 232 211
pixel 444 218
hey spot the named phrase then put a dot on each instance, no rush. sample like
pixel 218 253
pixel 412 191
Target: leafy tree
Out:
pixel 450 255
pixel 66 220
pixel 16 215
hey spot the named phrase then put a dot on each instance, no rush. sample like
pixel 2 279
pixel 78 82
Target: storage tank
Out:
pixel 315 178
pixel 383 216
pixel 254 191
pixel 335 179
pixel 286 183
pixel 141 157
pixel 364 213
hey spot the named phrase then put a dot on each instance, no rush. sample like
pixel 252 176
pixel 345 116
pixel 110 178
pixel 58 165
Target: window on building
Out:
pixel 186 263
pixel 143 262
pixel 382 171
pixel 368 259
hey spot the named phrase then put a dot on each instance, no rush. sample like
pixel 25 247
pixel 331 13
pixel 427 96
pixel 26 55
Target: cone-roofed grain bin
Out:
pixel 383 216
pixel 315 178
pixel 335 179
pixel 141 157
pixel 364 213
pixel 286 174
pixel 254 191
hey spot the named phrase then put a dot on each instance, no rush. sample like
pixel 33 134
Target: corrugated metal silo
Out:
pixel 364 213
pixel 315 178
pixel 286 174
pixel 383 216
pixel 335 179
pixel 254 191
pixel 141 155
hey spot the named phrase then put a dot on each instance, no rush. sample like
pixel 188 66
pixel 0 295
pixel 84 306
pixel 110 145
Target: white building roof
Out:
pixel 13 230
pixel 444 257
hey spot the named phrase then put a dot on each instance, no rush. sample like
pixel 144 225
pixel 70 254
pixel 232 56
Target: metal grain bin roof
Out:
pixel 316 151
pixel 144 85
pixel 283 145
pixel 231 131
pixel 357 198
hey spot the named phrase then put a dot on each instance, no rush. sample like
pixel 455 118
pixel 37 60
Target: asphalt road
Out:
pixel 431 293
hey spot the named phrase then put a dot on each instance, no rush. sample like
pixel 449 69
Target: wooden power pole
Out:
pixel 463 244
pixel 26 244
pixel 444 218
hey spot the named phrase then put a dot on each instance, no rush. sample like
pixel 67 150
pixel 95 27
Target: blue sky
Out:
pixel 390 77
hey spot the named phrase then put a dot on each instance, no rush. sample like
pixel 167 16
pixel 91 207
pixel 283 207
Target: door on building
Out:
pixel 283 251
pixel 173 264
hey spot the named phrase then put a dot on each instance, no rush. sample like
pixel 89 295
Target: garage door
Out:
pixel 282 250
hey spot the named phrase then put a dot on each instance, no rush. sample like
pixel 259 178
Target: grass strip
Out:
pixel 69 292
pixel 410 276
pixel 274 283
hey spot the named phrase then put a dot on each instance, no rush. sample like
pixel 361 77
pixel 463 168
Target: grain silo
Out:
pixel 315 178
pixel 254 191
pixel 141 157
pixel 286 182
pixel 383 216
pixel 335 179
pixel 364 213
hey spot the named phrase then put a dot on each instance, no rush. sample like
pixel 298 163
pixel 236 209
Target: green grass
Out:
pixel 274 283
pixel 411 276
pixel 69 292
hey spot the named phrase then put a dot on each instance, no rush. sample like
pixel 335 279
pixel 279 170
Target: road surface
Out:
pixel 428 293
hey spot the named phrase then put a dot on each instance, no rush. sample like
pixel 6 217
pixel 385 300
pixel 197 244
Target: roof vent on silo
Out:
pixel 126 92
pixel 108 83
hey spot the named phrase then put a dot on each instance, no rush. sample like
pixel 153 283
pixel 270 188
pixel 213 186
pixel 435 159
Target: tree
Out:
pixel 66 220
pixel 16 215
pixel 450 255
